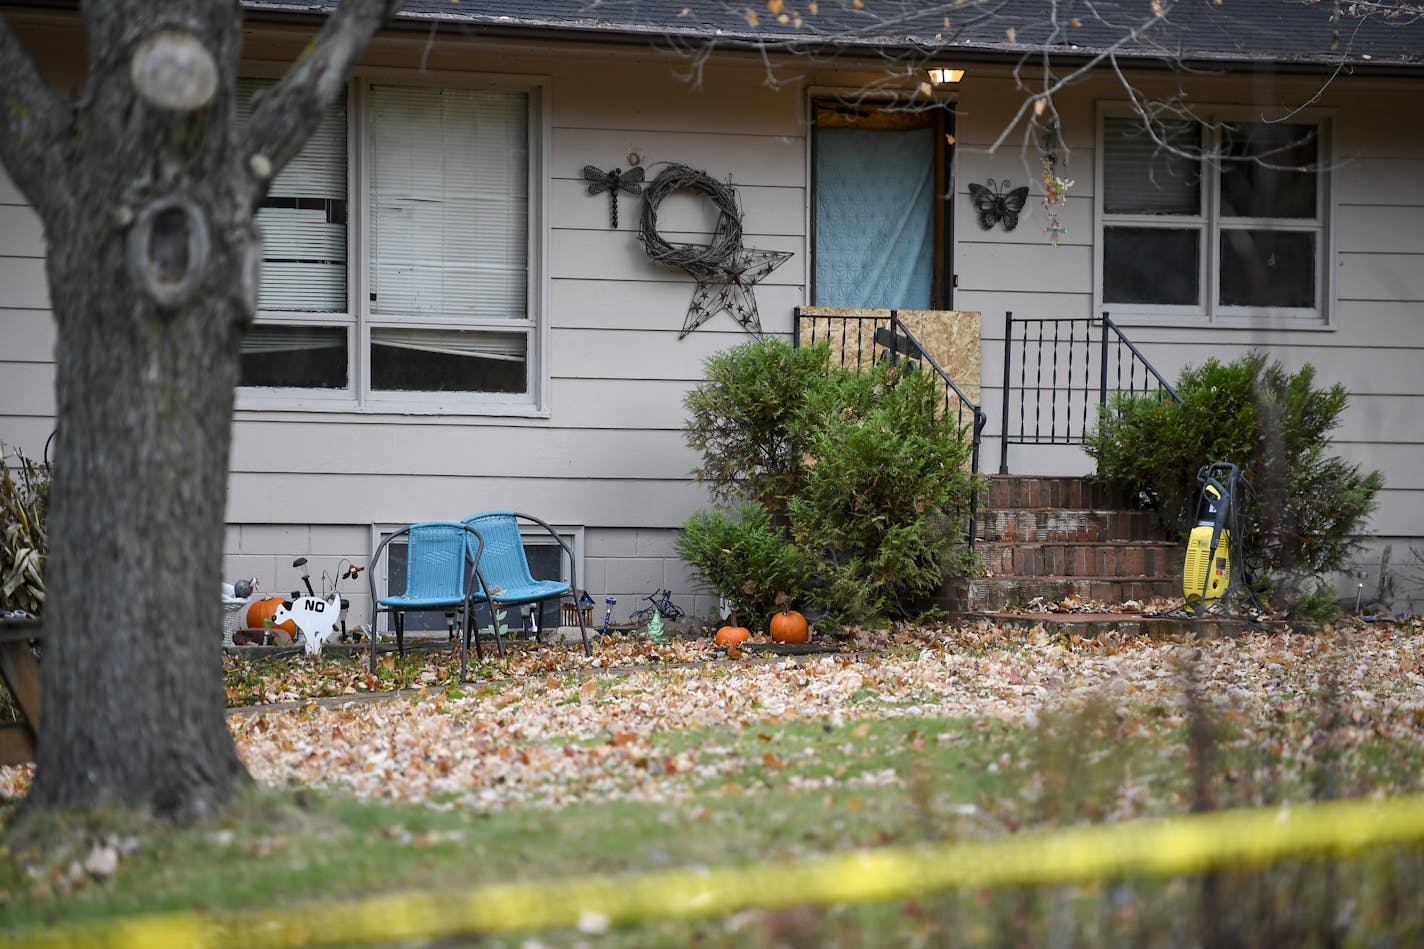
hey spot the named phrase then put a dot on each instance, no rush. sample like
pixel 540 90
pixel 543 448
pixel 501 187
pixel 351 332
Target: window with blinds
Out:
pixel 449 226
pixel 1154 223
pixel 1213 219
pixel 442 217
pixel 303 221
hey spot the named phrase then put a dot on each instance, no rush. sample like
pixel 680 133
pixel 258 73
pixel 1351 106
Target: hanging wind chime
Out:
pixel 1055 187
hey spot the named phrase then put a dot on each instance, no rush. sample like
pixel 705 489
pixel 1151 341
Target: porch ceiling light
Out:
pixel 944 75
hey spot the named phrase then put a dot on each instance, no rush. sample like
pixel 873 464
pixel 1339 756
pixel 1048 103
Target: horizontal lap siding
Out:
pixel 385 449
pixel 1376 343
pixel 357 497
pixel 26 327
pixel 611 457
pixel 21 233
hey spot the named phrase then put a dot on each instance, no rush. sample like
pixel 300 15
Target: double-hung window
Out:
pixel 401 253
pixel 1225 220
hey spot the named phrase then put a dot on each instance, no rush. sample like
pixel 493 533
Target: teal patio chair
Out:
pixel 502 575
pixel 441 560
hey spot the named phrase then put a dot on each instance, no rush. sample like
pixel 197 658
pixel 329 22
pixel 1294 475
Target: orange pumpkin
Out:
pixel 262 610
pixel 790 626
pixel 731 635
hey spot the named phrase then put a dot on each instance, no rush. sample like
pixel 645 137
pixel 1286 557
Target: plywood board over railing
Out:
pixel 950 337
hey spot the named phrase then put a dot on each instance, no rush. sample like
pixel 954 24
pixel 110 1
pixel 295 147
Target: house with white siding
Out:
pixel 450 322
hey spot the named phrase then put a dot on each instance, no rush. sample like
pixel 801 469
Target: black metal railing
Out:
pixel 1067 370
pixel 864 337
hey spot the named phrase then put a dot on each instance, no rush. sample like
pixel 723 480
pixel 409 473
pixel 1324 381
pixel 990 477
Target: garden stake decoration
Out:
pixel 317 619
pixel 608 613
pixel 725 270
pixel 613 182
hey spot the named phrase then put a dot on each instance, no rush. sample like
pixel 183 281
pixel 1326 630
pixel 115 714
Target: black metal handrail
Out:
pixel 865 337
pixel 1079 375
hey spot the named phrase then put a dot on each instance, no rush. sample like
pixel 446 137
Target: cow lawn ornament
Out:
pixel 318 619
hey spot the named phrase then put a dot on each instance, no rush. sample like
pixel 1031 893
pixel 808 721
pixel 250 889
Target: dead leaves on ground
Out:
pixel 550 728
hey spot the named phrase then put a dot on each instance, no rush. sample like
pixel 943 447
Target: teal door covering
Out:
pixel 875 217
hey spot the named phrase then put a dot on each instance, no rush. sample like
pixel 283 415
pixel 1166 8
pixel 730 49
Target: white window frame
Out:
pixel 283 397
pixel 358 397
pixel 1211 312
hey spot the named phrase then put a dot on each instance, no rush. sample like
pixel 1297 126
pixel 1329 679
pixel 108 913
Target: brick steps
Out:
pixel 1056 537
pixel 1003 593
pixel 1075 559
pixel 1056 524
pixel 1030 491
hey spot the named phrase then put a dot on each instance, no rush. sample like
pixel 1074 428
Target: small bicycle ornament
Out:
pixel 662 605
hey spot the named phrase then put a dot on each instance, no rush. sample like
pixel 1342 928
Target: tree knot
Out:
pixel 168 248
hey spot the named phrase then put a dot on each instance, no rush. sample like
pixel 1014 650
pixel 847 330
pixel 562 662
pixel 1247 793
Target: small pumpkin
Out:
pixel 730 635
pixel 264 609
pixel 789 626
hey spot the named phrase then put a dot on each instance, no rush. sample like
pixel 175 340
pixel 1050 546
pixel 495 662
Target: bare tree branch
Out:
pixel 1052 85
pixel 284 118
pixel 32 123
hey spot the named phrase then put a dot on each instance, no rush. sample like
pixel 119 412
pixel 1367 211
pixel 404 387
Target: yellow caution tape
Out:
pixel 1169 847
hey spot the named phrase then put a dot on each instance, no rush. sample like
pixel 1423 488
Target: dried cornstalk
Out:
pixel 24 502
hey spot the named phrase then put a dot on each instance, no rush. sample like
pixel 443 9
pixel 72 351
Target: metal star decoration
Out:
pixel 728 286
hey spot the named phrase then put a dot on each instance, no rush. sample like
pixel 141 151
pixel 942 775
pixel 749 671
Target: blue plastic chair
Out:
pixel 441 560
pixel 502 576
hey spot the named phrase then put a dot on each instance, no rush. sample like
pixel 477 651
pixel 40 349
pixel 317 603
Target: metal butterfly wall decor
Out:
pixel 995 203
pixel 613 182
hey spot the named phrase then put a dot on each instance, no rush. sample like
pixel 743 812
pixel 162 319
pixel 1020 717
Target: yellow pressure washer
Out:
pixel 1206 575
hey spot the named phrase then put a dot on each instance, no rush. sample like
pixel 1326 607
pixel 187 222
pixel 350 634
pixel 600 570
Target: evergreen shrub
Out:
pixel 1309 506
pixel 847 487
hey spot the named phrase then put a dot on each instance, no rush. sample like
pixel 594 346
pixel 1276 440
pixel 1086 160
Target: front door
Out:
pixel 880 178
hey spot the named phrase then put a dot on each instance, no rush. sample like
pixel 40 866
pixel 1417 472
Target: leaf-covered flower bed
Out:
pixel 549 727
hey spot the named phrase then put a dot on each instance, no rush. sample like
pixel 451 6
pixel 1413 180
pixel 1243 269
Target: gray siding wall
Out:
pixel 1376 340
pixel 609 462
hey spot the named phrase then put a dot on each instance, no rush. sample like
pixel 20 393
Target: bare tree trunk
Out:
pixel 148 191
pixel 132 675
